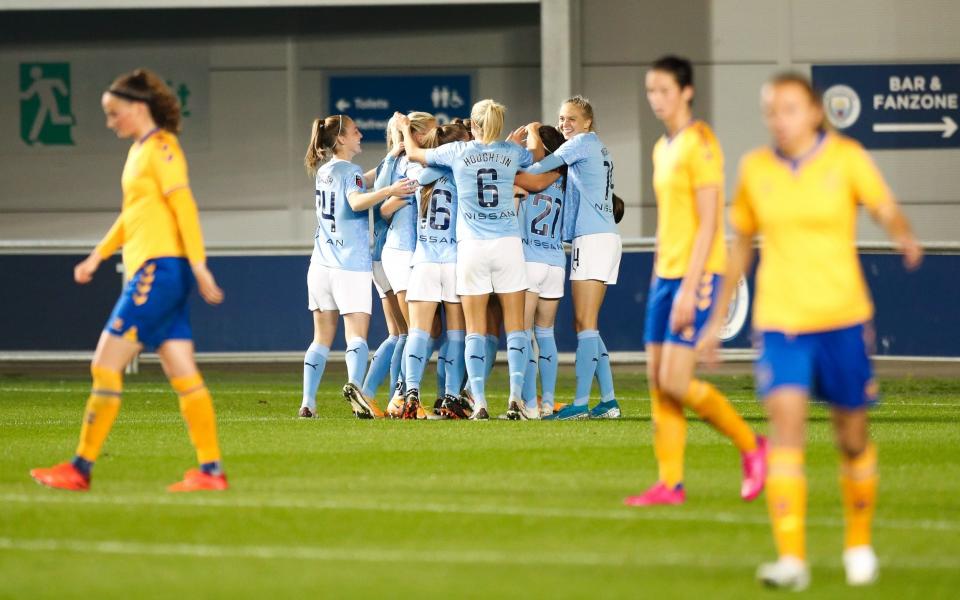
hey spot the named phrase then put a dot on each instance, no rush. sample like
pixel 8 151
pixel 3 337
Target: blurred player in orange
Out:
pixel 690 257
pixel 812 311
pixel 163 254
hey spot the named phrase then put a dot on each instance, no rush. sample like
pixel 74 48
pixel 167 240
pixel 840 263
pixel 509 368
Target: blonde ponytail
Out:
pixel 487 116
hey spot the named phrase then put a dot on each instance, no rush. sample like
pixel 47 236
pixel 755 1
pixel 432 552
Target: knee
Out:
pixel 852 446
pixel 105 377
pixel 672 386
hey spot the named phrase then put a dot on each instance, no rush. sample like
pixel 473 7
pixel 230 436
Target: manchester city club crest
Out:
pixel 842 105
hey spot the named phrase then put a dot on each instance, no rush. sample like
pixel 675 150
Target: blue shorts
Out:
pixel 663 292
pixel 830 365
pixel 153 306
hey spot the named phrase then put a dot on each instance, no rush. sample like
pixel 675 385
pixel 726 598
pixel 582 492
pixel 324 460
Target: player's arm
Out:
pixel 684 309
pixel 740 257
pixel 369 177
pixel 84 270
pixel 184 209
pixel 410 145
pixel 429 175
pixel 534 143
pixel 364 200
pixel 547 163
pixel 535 183
pixel 392 205
pixel 889 216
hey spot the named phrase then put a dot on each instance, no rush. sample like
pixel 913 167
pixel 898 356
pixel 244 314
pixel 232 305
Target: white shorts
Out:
pixel 433 282
pixel 545 280
pixel 396 265
pixel 597 257
pixel 339 289
pixel 380 281
pixel 485 266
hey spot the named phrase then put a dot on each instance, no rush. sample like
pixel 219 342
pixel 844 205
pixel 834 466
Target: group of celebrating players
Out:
pixel 466 220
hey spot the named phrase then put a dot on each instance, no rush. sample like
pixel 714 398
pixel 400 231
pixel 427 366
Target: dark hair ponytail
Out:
pixel 143 85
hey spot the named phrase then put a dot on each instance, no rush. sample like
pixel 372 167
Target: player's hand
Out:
pixel 403 121
pixel 404 187
pixel 518 136
pixel 912 254
pixel 207 285
pixel 534 128
pixel 683 311
pixel 709 343
pixel 84 270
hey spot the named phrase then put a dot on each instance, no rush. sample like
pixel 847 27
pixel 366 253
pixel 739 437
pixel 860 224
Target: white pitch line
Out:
pixel 457 556
pixel 357 504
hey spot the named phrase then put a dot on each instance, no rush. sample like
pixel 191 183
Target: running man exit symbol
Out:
pixel 45 115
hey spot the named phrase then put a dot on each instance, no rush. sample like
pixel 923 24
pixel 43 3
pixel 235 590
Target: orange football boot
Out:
pixel 196 480
pixel 64 476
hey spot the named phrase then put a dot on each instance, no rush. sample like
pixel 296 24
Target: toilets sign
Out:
pixel 893 106
pixel 372 100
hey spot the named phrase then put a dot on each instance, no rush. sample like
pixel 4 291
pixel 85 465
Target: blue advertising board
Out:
pixel 370 100
pixel 893 106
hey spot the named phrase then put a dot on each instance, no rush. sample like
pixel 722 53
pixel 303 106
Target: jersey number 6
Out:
pixel 483 188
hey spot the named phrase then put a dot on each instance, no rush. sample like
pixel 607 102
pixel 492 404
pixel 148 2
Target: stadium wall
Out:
pixel 268 67
pixel 265 308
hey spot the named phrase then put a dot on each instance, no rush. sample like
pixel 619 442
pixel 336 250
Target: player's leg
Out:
pixel 787 487
pixel 608 407
pixel 403 317
pixel 678 383
pixel 475 318
pixel 382 358
pixel 858 484
pixel 315 359
pixel 196 406
pixel 666 414
pixel 438 335
pixel 844 378
pixel 494 322
pixel 530 374
pixel 356 325
pixel 111 357
pixel 547 356
pixel 512 304
pixel 323 306
pixel 588 296
pixel 418 345
pixel 456 367
pixel 351 292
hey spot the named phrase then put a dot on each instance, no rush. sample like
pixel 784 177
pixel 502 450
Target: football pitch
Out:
pixel 336 507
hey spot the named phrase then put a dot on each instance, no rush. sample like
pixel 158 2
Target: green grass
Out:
pixel 337 507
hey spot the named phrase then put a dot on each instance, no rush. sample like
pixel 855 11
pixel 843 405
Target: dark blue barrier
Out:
pixel 265 308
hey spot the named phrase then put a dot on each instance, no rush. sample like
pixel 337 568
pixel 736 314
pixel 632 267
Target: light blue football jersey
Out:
pixel 402 230
pixel 436 232
pixel 543 221
pixel 484 175
pixel 342 240
pixel 591 173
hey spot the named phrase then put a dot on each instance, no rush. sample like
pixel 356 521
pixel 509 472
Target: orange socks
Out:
pixel 787 500
pixel 669 437
pixel 196 406
pixel 714 408
pixel 858 484
pixel 102 408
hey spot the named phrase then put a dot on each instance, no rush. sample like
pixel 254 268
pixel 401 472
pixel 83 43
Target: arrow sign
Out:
pixel 948 126
pixel 342 105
